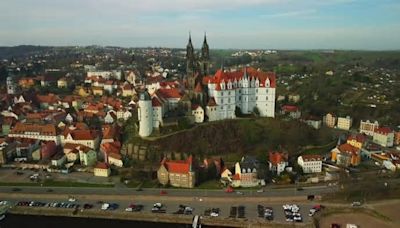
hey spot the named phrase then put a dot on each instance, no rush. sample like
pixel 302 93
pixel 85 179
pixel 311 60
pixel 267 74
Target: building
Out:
pixel 310 163
pixel 12 87
pixel 329 120
pixel 344 123
pixel 177 173
pixel 249 90
pixel 278 161
pixel 357 140
pixel 246 173
pixel 58 160
pixel 384 136
pixel 62 83
pixel 85 137
pixel 346 155
pixel 102 170
pixel 368 128
pixel 198 113
pixel 313 122
pixel 45 132
pixel 145 114
pixel 87 156
pixel 291 110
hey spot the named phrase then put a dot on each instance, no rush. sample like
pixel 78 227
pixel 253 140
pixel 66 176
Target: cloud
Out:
pixel 292 13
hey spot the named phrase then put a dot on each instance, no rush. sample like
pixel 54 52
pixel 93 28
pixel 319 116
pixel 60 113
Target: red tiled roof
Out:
pixel 198 88
pixel 179 166
pixel 383 130
pixel 290 108
pixel 101 165
pixel 311 157
pixel 277 157
pixel 358 137
pixel 220 76
pixel 211 102
pixel 43 129
pixel 82 134
pixel 155 102
pixel 349 149
pixel 170 93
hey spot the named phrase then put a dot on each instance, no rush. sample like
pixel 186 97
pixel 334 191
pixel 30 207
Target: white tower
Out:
pixel 145 114
pixel 11 87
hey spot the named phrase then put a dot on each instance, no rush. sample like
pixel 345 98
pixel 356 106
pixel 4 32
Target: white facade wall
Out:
pixel 385 140
pixel 145 115
pixel 245 94
pixel 314 166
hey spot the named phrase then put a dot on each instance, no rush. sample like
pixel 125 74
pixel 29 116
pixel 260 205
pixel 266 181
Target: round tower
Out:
pixel 145 114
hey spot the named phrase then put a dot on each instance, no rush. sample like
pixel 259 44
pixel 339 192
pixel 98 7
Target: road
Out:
pixel 269 192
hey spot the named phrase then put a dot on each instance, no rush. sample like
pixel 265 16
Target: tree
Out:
pixel 256 112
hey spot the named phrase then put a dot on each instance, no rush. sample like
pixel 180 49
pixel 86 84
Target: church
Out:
pixel 207 97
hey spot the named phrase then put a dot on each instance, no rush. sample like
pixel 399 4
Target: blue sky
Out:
pixel 275 24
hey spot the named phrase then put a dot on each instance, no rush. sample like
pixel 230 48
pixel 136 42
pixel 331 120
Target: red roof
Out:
pixel 383 130
pixel 179 166
pixel 102 165
pixel 170 93
pixel 198 88
pixel 211 102
pixel 277 157
pixel 358 137
pixel 262 77
pixel 236 177
pixel 290 108
pixel 311 157
pixel 349 149
pixel 82 134
pixel 155 102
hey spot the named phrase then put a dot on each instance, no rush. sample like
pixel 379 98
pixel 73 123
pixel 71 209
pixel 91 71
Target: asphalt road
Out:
pixel 269 192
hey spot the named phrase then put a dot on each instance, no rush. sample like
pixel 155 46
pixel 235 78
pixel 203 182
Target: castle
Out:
pixel 216 97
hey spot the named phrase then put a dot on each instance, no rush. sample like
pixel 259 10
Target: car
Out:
pixel 229 189
pixel 239 193
pixel 260 190
pixel 49 190
pixel 105 206
pixel 71 199
pixel 163 192
pixel 16 189
pixel 356 204
pixel 139 189
pixel 113 206
pixel 158 205
pixel 88 206
pixel 299 189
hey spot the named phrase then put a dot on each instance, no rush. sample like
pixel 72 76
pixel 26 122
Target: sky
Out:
pixel 244 24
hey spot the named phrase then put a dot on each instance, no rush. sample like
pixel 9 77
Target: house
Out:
pixel 384 136
pixel 62 82
pixel 71 151
pixel 172 96
pixel 211 110
pixel 58 160
pixel 357 140
pixel 291 110
pixel 390 160
pixel 7 150
pixel 198 113
pixel 47 149
pixel 102 170
pixel 368 128
pixel 127 90
pixel 278 161
pixel 310 163
pixel 45 132
pixel 329 120
pixel 178 173
pixel 97 91
pixel 346 155
pixel 370 148
pixel 247 173
pixel 110 118
pixel 396 138
pixel 111 153
pixel 344 123
pixel 124 114
pixel 313 122
pixel 86 137
pixel 87 156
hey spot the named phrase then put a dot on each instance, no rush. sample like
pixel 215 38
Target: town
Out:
pixel 164 119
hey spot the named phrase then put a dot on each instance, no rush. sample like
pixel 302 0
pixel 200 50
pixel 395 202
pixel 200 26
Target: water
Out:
pixel 17 221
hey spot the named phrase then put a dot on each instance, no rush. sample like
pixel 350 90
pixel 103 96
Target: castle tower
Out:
pixel 205 57
pixel 190 57
pixel 11 86
pixel 145 114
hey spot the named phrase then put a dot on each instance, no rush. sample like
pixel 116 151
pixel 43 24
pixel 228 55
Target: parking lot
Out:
pixel 196 207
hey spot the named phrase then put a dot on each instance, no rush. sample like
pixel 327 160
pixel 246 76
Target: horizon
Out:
pixel 238 25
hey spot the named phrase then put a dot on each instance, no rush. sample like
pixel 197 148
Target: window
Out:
pixel 266 98
pixel 256 90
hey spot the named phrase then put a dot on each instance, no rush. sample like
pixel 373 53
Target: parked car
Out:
pixel 356 204
pixel 163 192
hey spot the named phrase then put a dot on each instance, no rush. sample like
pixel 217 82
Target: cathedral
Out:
pixel 197 67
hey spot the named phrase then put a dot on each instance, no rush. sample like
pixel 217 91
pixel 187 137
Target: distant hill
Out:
pixel 22 51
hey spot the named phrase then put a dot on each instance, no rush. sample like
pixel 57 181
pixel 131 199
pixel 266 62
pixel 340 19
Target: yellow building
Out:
pixel 102 170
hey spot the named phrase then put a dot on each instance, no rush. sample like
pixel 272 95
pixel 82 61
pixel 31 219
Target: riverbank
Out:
pixel 151 217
